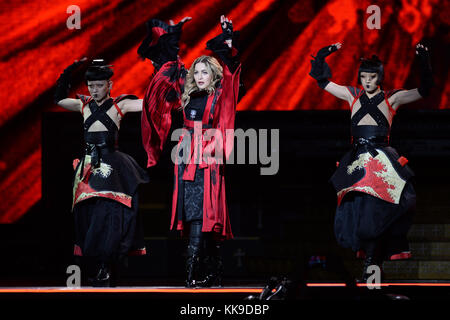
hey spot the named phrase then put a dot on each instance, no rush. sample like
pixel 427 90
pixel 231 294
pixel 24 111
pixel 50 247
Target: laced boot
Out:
pixel 192 266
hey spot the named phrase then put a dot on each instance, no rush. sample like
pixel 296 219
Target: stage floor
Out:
pixel 395 290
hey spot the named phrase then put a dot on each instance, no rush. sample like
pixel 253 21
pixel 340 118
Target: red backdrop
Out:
pixel 277 39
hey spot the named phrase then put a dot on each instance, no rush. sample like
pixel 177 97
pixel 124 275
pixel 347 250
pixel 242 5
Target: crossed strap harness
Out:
pixel 95 150
pixel 369 136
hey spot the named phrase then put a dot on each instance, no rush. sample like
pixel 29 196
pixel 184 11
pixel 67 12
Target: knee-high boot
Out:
pixel 193 254
pixel 213 264
pixel 192 266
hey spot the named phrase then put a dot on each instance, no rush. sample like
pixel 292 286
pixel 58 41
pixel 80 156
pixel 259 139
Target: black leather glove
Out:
pixel 166 47
pixel 326 51
pixel 426 75
pixel 227 30
pixel 319 68
pixel 63 84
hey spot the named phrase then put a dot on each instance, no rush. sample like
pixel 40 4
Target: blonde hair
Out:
pixel 214 69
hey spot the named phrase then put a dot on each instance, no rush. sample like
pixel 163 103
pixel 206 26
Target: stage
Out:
pixel 282 225
pixel 394 290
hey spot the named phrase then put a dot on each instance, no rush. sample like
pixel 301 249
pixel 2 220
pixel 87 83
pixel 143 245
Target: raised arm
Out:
pixel 404 97
pixel 63 86
pixel 322 72
pixel 426 81
pixel 165 88
pixel 161 44
pixel 339 91
pixel 224 45
pixel 227 29
pixel 131 105
pixel 71 104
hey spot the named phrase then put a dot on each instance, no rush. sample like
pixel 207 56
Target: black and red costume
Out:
pixel 199 201
pixel 106 177
pixel 105 197
pixel 375 194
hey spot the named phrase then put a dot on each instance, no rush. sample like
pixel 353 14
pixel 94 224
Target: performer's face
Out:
pixel 99 89
pixel 369 81
pixel 202 76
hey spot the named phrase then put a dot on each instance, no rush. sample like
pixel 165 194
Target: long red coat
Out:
pixel 163 95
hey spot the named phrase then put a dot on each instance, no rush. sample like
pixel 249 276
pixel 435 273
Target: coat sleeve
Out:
pixel 165 89
pixel 228 56
pixel 161 43
pixel 162 96
pixel 224 115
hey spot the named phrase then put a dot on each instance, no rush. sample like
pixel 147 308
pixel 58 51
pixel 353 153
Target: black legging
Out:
pixel 199 240
pixel 195 237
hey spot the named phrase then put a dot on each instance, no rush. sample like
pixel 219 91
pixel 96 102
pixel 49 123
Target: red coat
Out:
pixel 156 123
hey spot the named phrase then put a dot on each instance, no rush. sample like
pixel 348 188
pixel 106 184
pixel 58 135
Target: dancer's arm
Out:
pixel 321 72
pixel 224 45
pixel 162 42
pixel 339 91
pixel 131 105
pixel 63 86
pixel 426 81
pixel 165 89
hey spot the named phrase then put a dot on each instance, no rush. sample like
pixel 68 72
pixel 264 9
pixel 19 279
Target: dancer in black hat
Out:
pixel 105 199
pixel 375 193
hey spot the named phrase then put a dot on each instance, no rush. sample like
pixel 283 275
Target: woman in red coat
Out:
pixel 207 95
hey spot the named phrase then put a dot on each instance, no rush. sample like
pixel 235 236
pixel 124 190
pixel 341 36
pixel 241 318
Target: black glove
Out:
pixel 167 46
pixel 319 68
pixel 227 30
pixel 63 84
pixel 177 29
pixel 223 51
pixel 426 75
pixel 326 51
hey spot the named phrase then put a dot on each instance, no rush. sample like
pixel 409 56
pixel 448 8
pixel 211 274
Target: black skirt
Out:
pixel 190 195
pixel 362 219
pixel 107 230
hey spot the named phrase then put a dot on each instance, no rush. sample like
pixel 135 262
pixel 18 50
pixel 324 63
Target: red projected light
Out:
pixel 278 38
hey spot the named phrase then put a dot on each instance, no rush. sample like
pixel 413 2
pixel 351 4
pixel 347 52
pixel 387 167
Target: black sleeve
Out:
pixel 125 96
pixel 63 84
pixel 161 43
pixel 229 56
pixel 426 74
pixel 319 68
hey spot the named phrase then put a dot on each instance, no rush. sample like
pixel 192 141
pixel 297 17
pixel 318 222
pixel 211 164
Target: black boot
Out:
pixel 281 290
pixel 103 276
pixel 214 272
pixel 267 291
pixel 369 261
pixel 213 264
pixel 192 266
